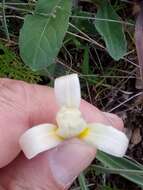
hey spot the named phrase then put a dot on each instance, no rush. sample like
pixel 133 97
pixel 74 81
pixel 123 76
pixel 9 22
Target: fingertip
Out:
pixel 115 120
pixel 69 159
pixel 93 114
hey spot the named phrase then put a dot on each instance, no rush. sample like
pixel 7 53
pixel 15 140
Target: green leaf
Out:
pixel 101 169
pixel 113 162
pixel 46 7
pixel 42 33
pixel 111 30
pixel 82 182
pixel 86 25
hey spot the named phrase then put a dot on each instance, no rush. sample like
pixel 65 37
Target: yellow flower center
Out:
pixel 84 133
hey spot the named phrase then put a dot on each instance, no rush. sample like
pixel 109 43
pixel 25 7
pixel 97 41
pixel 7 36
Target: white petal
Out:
pixel 67 90
pixel 38 139
pixel 107 139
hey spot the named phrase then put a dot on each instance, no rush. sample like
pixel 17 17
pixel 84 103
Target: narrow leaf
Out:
pixel 111 30
pixel 101 169
pixel 122 163
pixel 42 35
pixel 82 182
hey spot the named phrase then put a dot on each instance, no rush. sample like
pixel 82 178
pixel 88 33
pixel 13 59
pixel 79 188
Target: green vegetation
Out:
pixel 94 39
pixel 12 67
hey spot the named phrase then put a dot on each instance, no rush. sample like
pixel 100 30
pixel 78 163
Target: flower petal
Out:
pixel 38 139
pixel 67 90
pixel 106 138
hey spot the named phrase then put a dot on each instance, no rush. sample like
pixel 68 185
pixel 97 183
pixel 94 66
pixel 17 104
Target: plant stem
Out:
pixel 16 8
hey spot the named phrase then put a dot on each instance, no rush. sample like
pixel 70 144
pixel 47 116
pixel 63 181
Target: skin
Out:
pixel 22 106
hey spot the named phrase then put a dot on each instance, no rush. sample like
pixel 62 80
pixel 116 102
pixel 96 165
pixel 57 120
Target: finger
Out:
pixel 93 114
pixel 22 106
pixel 114 120
pixel 13 118
pixel 55 170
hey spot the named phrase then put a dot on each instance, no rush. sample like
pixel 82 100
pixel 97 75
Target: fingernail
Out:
pixel 69 159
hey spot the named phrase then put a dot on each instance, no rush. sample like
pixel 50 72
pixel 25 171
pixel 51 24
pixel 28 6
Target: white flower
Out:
pixel 70 123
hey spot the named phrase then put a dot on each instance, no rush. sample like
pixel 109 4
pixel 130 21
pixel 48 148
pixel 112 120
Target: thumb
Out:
pixel 67 161
pixel 55 169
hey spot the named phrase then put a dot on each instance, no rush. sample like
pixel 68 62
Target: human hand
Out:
pixel 23 105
